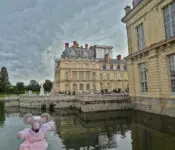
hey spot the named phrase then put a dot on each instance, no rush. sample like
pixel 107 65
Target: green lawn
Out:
pixel 4 95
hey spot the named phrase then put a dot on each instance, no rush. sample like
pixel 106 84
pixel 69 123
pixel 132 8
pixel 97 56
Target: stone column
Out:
pixel 164 75
pixel 131 77
pixel 153 75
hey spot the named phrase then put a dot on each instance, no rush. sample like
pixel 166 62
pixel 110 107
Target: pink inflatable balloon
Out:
pixel 34 137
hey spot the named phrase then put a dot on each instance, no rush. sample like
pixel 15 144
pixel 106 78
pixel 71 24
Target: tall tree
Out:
pixel 4 80
pixel 47 85
pixel 20 87
pixel 34 86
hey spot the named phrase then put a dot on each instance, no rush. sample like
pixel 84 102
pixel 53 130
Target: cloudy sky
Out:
pixel 33 32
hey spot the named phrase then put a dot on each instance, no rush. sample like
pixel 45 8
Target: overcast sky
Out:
pixel 33 32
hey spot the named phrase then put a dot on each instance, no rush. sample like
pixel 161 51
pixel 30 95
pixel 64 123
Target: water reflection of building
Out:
pixel 107 141
pixel 2 114
pixel 84 130
pixel 151 132
pixel 78 133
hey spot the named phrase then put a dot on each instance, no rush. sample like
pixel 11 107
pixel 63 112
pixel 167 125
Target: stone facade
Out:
pixel 152 47
pixel 84 74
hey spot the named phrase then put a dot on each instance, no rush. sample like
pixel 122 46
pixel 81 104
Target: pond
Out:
pixel 114 130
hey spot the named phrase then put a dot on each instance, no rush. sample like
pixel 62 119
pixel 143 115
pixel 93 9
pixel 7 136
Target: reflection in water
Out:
pixel 115 130
pixel 2 114
pixel 152 132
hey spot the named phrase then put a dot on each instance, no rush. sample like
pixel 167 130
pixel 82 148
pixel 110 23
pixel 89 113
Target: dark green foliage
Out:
pixel 4 80
pixel 2 114
pixel 33 86
pixel 51 107
pixel 43 107
pixel 20 87
pixel 47 85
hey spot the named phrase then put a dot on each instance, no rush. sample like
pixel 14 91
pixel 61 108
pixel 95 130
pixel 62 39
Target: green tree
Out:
pixel 47 85
pixel 33 86
pixel 20 87
pixel 4 80
pixel 12 90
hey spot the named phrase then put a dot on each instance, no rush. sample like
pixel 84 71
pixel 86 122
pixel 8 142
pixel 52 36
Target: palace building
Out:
pixel 78 70
pixel 150 28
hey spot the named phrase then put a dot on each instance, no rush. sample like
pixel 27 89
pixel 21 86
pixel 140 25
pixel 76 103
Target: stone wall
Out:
pixel 153 105
pixel 87 103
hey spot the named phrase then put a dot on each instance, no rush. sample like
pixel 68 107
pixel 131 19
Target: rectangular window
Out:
pixel 66 75
pixel 118 67
pixel 94 86
pixel 104 67
pixel 172 71
pixel 122 68
pixel 108 76
pixel 87 86
pixel 87 65
pixel 121 75
pixel 74 87
pixel 87 75
pixel 140 37
pixel 143 78
pixel 125 67
pixel 111 66
pixel 169 20
pixel 115 75
pixel 74 75
pixel 101 76
pixel 93 76
pixel 81 75
pixel 81 87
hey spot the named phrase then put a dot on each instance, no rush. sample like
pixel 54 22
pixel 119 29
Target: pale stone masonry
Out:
pixel 85 103
pixel 150 44
pixel 78 71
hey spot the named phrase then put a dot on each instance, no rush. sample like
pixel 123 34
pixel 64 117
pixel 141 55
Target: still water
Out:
pixel 115 130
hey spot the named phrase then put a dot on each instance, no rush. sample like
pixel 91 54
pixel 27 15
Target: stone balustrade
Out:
pixel 105 97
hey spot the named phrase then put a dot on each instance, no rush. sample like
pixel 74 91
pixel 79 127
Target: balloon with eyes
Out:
pixel 34 137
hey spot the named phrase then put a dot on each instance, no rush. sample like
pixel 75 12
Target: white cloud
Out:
pixel 32 32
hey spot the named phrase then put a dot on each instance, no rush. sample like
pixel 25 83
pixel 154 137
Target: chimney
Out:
pixel 75 44
pixel 127 9
pixel 107 58
pixel 66 45
pixel 86 46
pixel 118 57
pixel 135 2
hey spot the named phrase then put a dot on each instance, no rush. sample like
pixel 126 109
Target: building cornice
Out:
pixel 133 11
pixel 151 47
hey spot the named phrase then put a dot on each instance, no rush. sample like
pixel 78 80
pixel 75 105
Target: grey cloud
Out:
pixel 33 32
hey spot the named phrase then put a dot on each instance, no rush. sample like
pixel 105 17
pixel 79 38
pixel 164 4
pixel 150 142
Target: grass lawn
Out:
pixel 4 95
